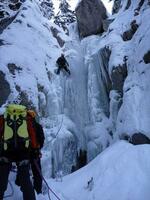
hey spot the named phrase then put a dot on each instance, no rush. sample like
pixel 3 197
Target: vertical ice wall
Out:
pixel 75 89
pixel 86 95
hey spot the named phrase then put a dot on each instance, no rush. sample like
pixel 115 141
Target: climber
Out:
pixel 62 64
pixel 17 139
pixel 37 179
pixel 35 155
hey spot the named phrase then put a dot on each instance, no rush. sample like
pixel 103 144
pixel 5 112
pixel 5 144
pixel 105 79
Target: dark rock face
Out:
pixel 23 99
pixel 106 23
pixel 139 138
pixel 15 7
pixel 13 68
pixel 14 1
pixel 3 13
pixel 1 42
pixel 90 16
pixel 4 89
pixel 127 35
pixel 8 12
pixel 5 22
pixel 55 33
pixel 147 57
pixel 136 138
pixel 140 4
pixel 118 76
pixel 117 6
pixel 128 4
pixel 81 159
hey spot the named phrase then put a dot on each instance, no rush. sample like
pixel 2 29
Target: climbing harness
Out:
pixel 35 162
pixel 12 191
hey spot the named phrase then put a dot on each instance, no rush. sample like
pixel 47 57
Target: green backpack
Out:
pixel 15 135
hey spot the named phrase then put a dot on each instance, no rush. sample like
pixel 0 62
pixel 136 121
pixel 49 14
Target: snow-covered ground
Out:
pixel 121 172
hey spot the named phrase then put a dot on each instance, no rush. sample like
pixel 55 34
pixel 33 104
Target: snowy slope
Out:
pixel 26 56
pixel 121 172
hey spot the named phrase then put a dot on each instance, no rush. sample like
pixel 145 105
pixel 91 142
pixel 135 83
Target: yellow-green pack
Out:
pixel 16 134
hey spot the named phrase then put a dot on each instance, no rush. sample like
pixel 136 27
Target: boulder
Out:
pixel 139 138
pixel 146 58
pixel 90 16
pixel 116 6
pixel 127 35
